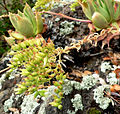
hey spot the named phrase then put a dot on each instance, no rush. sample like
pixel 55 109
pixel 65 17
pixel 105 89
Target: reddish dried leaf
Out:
pixel 86 72
pixel 106 58
pixel 76 73
pixel 117 72
pixel 97 72
pixel 15 110
pixel 112 88
pixel 116 87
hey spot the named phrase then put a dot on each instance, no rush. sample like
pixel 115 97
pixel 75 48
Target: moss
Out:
pixel 93 111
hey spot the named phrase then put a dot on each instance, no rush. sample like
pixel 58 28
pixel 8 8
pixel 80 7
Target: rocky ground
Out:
pixel 79 62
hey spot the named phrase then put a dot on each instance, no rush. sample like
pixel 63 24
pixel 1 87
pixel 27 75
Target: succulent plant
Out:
pixel 41 68
pixel 27 23
pixel 12 36
pixel 102 13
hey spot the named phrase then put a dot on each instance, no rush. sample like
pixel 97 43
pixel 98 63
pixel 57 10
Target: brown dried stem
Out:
pixel 112 98
pixel 2 16
pixel 4 70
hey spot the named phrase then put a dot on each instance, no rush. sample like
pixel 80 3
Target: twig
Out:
pixel 4 70
pixel 2 16
pixel 112 98
pixel 96 54
pixel 59 14
pixel 2 5
pixel 68 17
pixel 5 6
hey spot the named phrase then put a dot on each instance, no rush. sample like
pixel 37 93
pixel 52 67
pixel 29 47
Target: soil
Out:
pixel 88 57
pixel 4 47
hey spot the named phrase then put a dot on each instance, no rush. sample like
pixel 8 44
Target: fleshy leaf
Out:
pixel 30 15
pixel 39 22
pixel 13 20
pixel 17 36
pixel 25 27
pixel 99 20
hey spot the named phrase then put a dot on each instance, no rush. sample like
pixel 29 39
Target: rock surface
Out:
pixel 89 58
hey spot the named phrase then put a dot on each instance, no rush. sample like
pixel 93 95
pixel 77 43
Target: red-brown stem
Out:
pixel 59 14
pixel 68 17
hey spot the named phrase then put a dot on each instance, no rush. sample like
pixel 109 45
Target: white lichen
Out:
pixel 8 103
pixel 105 66
pixel 67 87
pixel 47 99
pixel 77 102
pixel 50 91
pixel 88 82
pixel 66 28
pixel 57 19
pixel 111 78
pixel 2 79
pixel 100 98
pixel 114 67
pixel 42 108
pixel 71 112
pixel 57 4
pixel 12 75
pixel 29 104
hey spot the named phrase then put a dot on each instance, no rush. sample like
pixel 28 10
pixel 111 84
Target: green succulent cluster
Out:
pixel 44 5
pixel 102 13
pixel 39 59
pixel 27 23
pixel 73 5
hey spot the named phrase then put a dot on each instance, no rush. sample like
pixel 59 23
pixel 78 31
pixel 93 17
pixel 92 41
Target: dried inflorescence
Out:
pixel 37 60
pixel 105 36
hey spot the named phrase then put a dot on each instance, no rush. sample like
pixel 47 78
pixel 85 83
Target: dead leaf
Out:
pixel 96 72
pixel 76 73
pixel 117 72
pixel 112 88
pixel 116 87
pixel 14 110
pixel 86 72
pixel 106 58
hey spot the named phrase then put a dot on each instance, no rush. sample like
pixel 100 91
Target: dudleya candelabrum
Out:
pixel 102 13
pixel 27 23
pixel 41 68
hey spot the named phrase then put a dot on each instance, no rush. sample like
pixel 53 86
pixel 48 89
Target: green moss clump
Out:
pixel 44 5
pixel 93 111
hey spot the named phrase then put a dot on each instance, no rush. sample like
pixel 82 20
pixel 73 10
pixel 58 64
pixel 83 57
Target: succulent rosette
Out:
pixel 102 13
pixel 27 23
